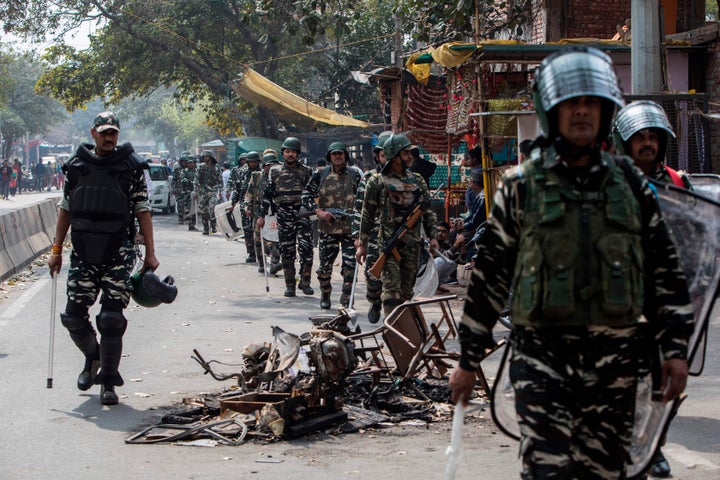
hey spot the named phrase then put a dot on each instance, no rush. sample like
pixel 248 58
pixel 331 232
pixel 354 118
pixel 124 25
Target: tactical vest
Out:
pixel 338 191
pixel 289 183
pixel 580 260
pixel 99 206
pixel 401 196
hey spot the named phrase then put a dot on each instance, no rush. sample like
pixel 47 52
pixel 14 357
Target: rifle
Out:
pixel 390 247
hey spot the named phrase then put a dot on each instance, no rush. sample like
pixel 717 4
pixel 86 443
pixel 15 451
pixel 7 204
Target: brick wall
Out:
pixel 713 91
pixel 588 19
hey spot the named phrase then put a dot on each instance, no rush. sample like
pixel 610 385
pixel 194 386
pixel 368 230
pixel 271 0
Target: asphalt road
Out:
pixel 222 306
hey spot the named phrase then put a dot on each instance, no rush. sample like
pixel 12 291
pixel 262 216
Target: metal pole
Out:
pixel 51 349
pixel 645 49
pixel 265 265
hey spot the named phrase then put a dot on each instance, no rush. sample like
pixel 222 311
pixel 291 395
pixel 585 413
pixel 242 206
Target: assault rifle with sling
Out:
pixel 390 246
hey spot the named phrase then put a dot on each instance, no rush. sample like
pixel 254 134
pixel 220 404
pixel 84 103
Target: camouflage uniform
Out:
pixel 577 338
pixel 177 190
pixel 334 189
pixel 283 190
pixel 187 185
pixel 391 197
pixel 207 184
pixel 373 286
pixel 253 203
pixel 240 181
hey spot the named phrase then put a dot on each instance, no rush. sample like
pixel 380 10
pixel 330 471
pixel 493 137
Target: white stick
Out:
pixel 51 350
pixel 453 450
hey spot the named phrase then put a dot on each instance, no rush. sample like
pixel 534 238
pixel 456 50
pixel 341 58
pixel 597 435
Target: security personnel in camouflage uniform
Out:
pixel 176 187
pixel 207 185
pixel 283 192
pixel 393 193
pixel 572 231
pixel 187 186
pixel 239 180
pixel 334 186
pixel 642 131
pixel 252 204
pixel 373 286
pixel 105 188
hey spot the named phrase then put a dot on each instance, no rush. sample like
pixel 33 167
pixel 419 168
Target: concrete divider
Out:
pixel 25 233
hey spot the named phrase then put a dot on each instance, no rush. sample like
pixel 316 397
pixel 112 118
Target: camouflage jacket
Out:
pixel 254 193
pixel 235 182
pixel 284 187
pixel 359 199
pixel 499 251
pixel 208 179
pixel 330 189
pixel 377 204
pixel 175 183
pixel 661 175
pixel 187 180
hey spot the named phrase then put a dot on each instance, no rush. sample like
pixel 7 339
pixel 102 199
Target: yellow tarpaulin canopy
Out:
pixel 259 90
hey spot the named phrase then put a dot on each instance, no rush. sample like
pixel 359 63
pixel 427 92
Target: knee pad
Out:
pixel 74 322
pixel 76 309
pixel 111 323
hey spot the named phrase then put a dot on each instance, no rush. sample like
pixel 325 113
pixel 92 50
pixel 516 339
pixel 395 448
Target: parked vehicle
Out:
pixel 160 195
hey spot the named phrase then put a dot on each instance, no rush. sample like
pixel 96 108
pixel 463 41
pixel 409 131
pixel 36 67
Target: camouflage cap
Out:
pixel 105 121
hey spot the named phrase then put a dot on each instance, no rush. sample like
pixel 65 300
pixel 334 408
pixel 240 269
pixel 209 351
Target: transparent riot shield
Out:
pixel 229 221
pixel 694 224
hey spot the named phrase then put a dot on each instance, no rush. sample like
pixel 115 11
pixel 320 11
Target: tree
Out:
pixel 24 111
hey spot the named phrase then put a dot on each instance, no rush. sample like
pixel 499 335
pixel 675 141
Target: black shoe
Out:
pixel 374 313
pixel 192 228
pixel 345 300
pixel 205 232
pixel 325 300
pixel 308 290
pixel 275 268
pixel 250 259
pixel 86 379
pixel 261 269
pixel 108 395
pixel 659 466
pixel 289 292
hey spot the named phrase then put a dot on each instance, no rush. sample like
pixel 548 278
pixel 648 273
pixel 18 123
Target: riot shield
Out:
pixel 426 280
pixel 228 222
pixel 270 230
pixel 694 224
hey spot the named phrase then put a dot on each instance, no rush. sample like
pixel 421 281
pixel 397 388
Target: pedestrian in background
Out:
pixel 105 189
pixel 571 236
pixel 6 173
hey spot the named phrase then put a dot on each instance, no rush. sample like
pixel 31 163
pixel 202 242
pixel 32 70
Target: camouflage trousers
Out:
pixel 398 277
pixel 330 246
pixel 184 202
pixel 373 286
pixel 295 237
pixel 575 400
pixel 86 281
pixel 248 226
pixel 206 207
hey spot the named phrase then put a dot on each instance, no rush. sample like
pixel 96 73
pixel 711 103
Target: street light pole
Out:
pixel 646 47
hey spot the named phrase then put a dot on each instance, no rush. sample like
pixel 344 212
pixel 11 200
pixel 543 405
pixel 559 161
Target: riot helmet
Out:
pixel 394 144
pixel 381 140
pixel 242 159
pixel 291 143
pixel 575 72
pixel 270 159
pixel 337 147
pixel 149 291
pixel 640 115
pixel 253 156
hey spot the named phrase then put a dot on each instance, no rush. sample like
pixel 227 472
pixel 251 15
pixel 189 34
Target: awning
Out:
pixel 294 109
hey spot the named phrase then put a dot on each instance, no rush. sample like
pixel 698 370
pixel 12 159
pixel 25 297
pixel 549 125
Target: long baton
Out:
pixel 351 302
pixel 51 350
pixel 453 450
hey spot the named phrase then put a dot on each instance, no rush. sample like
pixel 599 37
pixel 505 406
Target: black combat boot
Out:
pixel 374 313
pixel 206 228
pixel 660 466
pixel 108 395
pixel 275 267
pixel 325 300
pixel 345 300
pixel 83 336
pixel 304 284
pixel 213 226
pixel 289 291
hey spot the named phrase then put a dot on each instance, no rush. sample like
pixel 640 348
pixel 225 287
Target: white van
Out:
pixel 160 195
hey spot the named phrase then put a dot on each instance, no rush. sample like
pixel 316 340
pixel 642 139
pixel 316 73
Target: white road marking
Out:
pixel 17 306
pixel 689 458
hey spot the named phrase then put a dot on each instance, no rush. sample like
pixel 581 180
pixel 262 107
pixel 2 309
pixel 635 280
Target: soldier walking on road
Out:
pixel 571 232
pixel 207 184
pixel 334 186
pixel 176 185
pixel 283 191
pixel 105 188
pixel 373 286
pixel 252 206
pixel 187 186
pixel 239 188
pixel 393 193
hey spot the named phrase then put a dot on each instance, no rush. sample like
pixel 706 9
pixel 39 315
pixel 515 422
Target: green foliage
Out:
pixel 711 9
